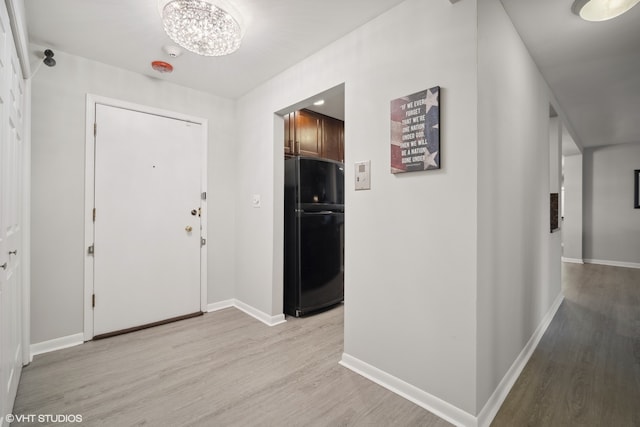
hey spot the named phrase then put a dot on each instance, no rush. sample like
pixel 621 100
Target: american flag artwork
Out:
pixel 415 131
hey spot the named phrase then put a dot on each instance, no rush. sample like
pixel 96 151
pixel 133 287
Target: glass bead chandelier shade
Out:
pixel 201 27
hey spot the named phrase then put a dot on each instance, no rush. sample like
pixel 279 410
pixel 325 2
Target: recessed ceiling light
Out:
pixel 601 10
pixel 321 101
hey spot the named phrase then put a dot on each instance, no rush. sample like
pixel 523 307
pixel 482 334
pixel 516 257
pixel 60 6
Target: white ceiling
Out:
pixel 128 34
pixel 592 68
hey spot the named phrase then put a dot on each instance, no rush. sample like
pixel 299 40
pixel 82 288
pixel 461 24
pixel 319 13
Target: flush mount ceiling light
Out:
pixel 205 27
pixel 601 10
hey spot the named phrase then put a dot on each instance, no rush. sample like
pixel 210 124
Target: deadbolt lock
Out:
pixel 188 228
pixel 195 212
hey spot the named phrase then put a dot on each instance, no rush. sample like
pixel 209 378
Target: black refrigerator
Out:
pixel 313 235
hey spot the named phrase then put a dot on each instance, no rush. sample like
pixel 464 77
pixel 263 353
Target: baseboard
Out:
pixel 73 340
pixel 613 263
pixel 260 315
pixel 248 309
pixel 444 409
pixel 220 305
pixel 573 260
pixel 412 393
pixel 56 344
pixel 488 413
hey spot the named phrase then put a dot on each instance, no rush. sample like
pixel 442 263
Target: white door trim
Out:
pixel 27 357
pixel 89 195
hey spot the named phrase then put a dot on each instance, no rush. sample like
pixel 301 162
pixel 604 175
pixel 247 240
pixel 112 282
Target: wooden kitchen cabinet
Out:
pixel 307 133
pixel 333 139
pixel 308 129
pixel 289 134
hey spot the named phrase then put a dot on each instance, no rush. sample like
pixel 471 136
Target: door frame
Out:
pixel 89 196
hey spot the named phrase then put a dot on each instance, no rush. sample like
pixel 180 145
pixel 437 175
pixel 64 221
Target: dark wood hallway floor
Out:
pixel 586 368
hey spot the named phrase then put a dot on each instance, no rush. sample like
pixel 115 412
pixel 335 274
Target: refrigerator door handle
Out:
pixel 318 212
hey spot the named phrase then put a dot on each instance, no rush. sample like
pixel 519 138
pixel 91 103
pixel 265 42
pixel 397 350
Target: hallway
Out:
pixel 586 369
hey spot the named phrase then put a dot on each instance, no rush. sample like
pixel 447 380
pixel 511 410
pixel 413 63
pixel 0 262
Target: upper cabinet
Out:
pixel 307 133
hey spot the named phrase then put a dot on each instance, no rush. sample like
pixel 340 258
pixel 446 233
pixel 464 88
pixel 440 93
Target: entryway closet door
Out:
pixel 147 238
pixel 11 167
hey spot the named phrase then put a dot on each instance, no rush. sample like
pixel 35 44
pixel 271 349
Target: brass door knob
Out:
pixel 188 228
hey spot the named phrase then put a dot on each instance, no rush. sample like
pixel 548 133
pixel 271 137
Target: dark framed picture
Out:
pixel 554 211
pixel 636 189
pixel 415 131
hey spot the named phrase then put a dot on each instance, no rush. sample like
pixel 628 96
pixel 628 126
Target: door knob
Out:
pixel 188 228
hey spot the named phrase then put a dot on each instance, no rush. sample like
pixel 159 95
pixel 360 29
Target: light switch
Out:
pixel 363 175
pixel 255 201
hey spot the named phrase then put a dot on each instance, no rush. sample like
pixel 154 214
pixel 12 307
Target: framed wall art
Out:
pixel 415 132
pixel 554 211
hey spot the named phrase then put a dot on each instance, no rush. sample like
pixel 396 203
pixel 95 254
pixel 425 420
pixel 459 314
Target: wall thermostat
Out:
pixel 363 175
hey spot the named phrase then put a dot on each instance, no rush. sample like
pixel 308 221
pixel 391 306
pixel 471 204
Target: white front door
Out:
pixel 11 167
pixel 147 234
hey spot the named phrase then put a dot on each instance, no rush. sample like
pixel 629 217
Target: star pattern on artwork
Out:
pixel 436 126
pixel 430 160
pixel 431 101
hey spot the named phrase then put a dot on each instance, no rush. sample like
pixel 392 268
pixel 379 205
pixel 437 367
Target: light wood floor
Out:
pixel 227 369
pixel 220 369
pixel 586 368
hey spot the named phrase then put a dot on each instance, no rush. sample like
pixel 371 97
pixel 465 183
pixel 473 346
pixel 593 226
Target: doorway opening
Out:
pixel 314 203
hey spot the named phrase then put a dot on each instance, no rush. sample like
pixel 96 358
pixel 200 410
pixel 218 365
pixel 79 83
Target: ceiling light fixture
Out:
pixel 205 27
pixel 319 102
pixel 601 10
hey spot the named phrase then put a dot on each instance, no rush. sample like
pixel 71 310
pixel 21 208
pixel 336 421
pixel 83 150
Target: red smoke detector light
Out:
pixel 161 66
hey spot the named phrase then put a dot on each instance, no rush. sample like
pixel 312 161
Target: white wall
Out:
pixel 572 224
pixel 410 240
pixel 518 273
pixel 58 141
pixel 611 224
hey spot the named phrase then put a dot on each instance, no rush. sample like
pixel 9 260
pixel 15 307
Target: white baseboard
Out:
pixel 573 260
pixel 56 344
pixel 488 413
pixel 220 305
pixel 412 393
pixel 444 409
pixel 260 315
pixel 613 263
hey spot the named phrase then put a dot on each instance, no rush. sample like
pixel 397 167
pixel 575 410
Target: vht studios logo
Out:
pixel 43 418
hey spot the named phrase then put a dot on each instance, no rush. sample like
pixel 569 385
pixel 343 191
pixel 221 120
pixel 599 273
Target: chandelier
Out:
pixel 202 26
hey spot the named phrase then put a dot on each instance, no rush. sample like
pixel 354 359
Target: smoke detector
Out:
pixel 172 51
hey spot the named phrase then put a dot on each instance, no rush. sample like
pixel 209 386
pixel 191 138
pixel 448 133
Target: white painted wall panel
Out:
pixel 518 259
pixel 572 224
pixel 611 224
